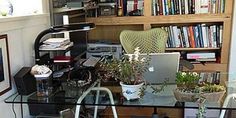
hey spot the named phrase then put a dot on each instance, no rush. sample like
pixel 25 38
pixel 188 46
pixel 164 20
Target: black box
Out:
pixel 25 82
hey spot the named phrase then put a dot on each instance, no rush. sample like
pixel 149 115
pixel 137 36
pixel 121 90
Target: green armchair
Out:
pixel 148 41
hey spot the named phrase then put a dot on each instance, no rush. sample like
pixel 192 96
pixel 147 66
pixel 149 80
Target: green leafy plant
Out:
pixel 187 80
pixel 129 69
pixel 209 88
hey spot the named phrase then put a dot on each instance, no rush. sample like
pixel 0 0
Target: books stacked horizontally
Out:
pixel 197 57
pixel 56 44
pixel 62 59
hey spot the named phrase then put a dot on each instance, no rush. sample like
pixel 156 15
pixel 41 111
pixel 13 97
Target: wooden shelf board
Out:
pixel 65 9
pixel 210 67
pixel 132 20
pixel 191 49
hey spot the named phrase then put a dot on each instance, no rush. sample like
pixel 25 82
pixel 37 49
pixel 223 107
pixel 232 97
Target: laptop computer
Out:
pixel 162 66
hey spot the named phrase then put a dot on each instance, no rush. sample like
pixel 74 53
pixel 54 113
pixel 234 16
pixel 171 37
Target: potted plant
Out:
pixel 129 71
pixel 188 89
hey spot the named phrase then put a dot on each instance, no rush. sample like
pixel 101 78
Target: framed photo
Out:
pixel 5 73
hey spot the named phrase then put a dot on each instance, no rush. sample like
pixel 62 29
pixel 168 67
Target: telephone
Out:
pixel 79 77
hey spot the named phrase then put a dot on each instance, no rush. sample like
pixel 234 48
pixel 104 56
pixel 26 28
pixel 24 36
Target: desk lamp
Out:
pixel 74 27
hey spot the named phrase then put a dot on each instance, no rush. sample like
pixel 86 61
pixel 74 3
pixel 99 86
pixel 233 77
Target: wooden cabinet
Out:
pixel 109 28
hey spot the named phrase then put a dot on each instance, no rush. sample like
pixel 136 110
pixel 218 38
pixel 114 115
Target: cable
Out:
pixel 21 106
pixel 13 105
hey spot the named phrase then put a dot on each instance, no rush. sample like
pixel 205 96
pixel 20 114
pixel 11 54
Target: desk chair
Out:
pixel 149 41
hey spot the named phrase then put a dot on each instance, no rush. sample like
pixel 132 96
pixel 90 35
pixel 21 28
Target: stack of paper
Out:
pixel 56 44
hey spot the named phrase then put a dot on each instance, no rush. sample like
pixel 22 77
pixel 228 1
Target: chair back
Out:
pixel 148 41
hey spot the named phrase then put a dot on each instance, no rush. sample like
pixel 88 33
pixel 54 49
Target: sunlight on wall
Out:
pixel 22 7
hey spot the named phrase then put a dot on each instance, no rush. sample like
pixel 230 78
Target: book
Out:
pixel 201 55
pixel 62 59
pixel 51 47
pixel 56 41
pixel 206 59
pixel 204 6
pixel 191 37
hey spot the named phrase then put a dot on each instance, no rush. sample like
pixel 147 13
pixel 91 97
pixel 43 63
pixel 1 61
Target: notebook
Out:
pixel 161 67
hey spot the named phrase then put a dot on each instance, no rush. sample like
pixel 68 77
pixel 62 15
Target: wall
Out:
pixel 21 32
pixel 232 66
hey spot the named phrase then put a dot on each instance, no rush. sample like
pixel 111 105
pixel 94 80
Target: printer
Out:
pixel 104 49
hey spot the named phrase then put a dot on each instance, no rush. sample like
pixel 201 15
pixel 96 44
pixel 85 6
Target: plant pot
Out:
pixel 131 92
pixel 192 97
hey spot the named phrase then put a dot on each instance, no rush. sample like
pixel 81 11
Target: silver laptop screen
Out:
pixel 163 66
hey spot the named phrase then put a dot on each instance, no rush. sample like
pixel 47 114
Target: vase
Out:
pixel 131 92
pixel 6 8
pixel 193 97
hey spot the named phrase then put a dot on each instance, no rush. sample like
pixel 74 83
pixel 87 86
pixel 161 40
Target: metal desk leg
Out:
pixel 226 102
pixel 79 102
pixel 111 98
pixel 96 89
pixel 96 102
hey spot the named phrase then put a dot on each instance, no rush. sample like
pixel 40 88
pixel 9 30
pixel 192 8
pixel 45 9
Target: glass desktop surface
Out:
pixel 164 99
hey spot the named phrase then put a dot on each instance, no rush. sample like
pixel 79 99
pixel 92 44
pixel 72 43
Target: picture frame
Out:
pixel 5 73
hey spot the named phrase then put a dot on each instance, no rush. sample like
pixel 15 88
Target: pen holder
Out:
pixel 42 83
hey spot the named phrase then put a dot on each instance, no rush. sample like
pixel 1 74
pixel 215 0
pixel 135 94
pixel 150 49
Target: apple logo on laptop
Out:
pixel 151 69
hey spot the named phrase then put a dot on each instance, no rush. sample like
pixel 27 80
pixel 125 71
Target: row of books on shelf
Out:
pixel 209 77
pixel 130 7
pixel 194 36
pixel 172 7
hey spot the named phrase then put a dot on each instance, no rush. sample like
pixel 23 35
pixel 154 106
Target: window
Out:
pixel 20 7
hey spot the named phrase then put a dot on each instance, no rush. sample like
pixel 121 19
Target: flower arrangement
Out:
pixel 189 89
pixel 129 69
pixel 187 80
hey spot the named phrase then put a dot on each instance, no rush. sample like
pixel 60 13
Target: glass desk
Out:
pixel 164 99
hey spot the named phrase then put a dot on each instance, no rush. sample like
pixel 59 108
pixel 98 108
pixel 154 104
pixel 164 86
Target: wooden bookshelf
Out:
pixel 192 49
pixel 109 28
pixel 170 19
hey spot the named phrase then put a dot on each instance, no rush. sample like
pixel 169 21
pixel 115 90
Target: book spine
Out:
pixel 185 31
pixel 172 36
pixel 176 37
pixel 200 36
pixel 163 7
pixel 193 7
pixel 182 7
pixel 172 7
pixel 221 35
pixel 166 7
pixel 186 6
pixel 183 37
pixel 180 38
pixel 154 7
pixel 189 6
pixel 160 7
pixel 177 6
pixel 222 6
pixel 218 35
pixel 196 34
pixel 191 37
pixel 204 35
